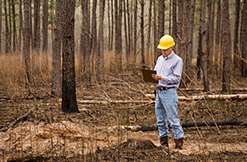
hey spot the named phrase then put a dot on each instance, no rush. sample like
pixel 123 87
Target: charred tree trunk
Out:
pixel 155 33
pixel 36 27
pixel 202 46
pixel 218 38
pixel 142 32
pixel 20 25
pixel 126 32
pixel 26 42
pixel 179 27
pixel 14 26
pixel 85 43
pixel 44 25
pixel 244 40
pixel 56 52
pixel 174 23
pixel 118 34
pixel 161 21
pixel 190 39
pixel 93 45
pixel 226 47
pixel 69 103
pixel 148 55
pixel 236 47
pixel 10 26
pixel 100 48
pixel 209 40
pixel 7 41
pixel 135 31
pixel 52 19
pixel 0 27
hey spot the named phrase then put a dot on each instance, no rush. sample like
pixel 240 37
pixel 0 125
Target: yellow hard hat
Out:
pixel 166 42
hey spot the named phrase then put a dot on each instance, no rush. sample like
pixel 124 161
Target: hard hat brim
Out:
pixel 160 47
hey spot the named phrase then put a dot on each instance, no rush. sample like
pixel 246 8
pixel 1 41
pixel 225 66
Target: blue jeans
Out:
pixel 169 99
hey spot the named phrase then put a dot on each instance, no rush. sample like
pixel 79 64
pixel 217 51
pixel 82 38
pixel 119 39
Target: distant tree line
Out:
pixel 130 28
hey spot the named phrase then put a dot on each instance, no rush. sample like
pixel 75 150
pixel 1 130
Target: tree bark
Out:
pixel 209 38
pixel 155 33
pixel 142 33
pixel 69 103
pixel 202 47
pixel 20 25
pixel 179 27
pixel 10 26
pixel 236 47
pixel 174 23
pixel 85 37
pixel 0 27
pixel 244 40
pixel 190 39
pixel 118 34
pixel 94 38
pixel 161 21
pixel 126 32
pixel 56 52
pixel 26 42
pixel 44 25
pixel 7 41
pixel 36 26
pixel 135 31
pixel 100 49
pixel 226 47
pixel 52 19
pixel 148 52
pixel 14 26
pixel 218 38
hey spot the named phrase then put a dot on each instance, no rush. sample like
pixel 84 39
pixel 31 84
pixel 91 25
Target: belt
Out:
pixel 164 88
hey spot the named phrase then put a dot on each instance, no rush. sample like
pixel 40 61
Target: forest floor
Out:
pixel 99 132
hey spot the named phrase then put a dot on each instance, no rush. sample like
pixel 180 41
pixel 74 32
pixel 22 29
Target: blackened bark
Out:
pixel 142 32
pixel 148 52
pixel 7 41
pixel 56 52
pixel 36 26
pixel 244 40
pixel 14 25
pixel 202 46
pixel 135 31
pixel 69 103
pixel 218 38
pixel 174 22
pixel 20 25
pixel 85 37
pixel 161 21
pixel 26 42
pixel 44 25
pixel 100 49
pixel 236 47
pixel 0 27
pixel 226 47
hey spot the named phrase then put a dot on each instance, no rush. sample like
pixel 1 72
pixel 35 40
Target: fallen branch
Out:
pixel 186 125
pixel 21 118
pixel 208 97
pixel 213 90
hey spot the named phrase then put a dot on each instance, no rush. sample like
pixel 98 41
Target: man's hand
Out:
pixel 157 77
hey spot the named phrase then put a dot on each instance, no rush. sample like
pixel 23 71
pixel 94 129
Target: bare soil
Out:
pixel 97 133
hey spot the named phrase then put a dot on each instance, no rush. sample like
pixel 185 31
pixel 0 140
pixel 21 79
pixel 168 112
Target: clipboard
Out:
pixel 147 75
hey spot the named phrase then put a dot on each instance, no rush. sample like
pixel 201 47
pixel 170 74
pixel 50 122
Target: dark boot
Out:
pixel 179 143
pixel 164 141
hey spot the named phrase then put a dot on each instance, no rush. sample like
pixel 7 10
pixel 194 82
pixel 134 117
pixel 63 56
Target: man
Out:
pixel 169 69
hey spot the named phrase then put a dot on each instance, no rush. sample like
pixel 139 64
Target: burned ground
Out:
pixel 102 131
